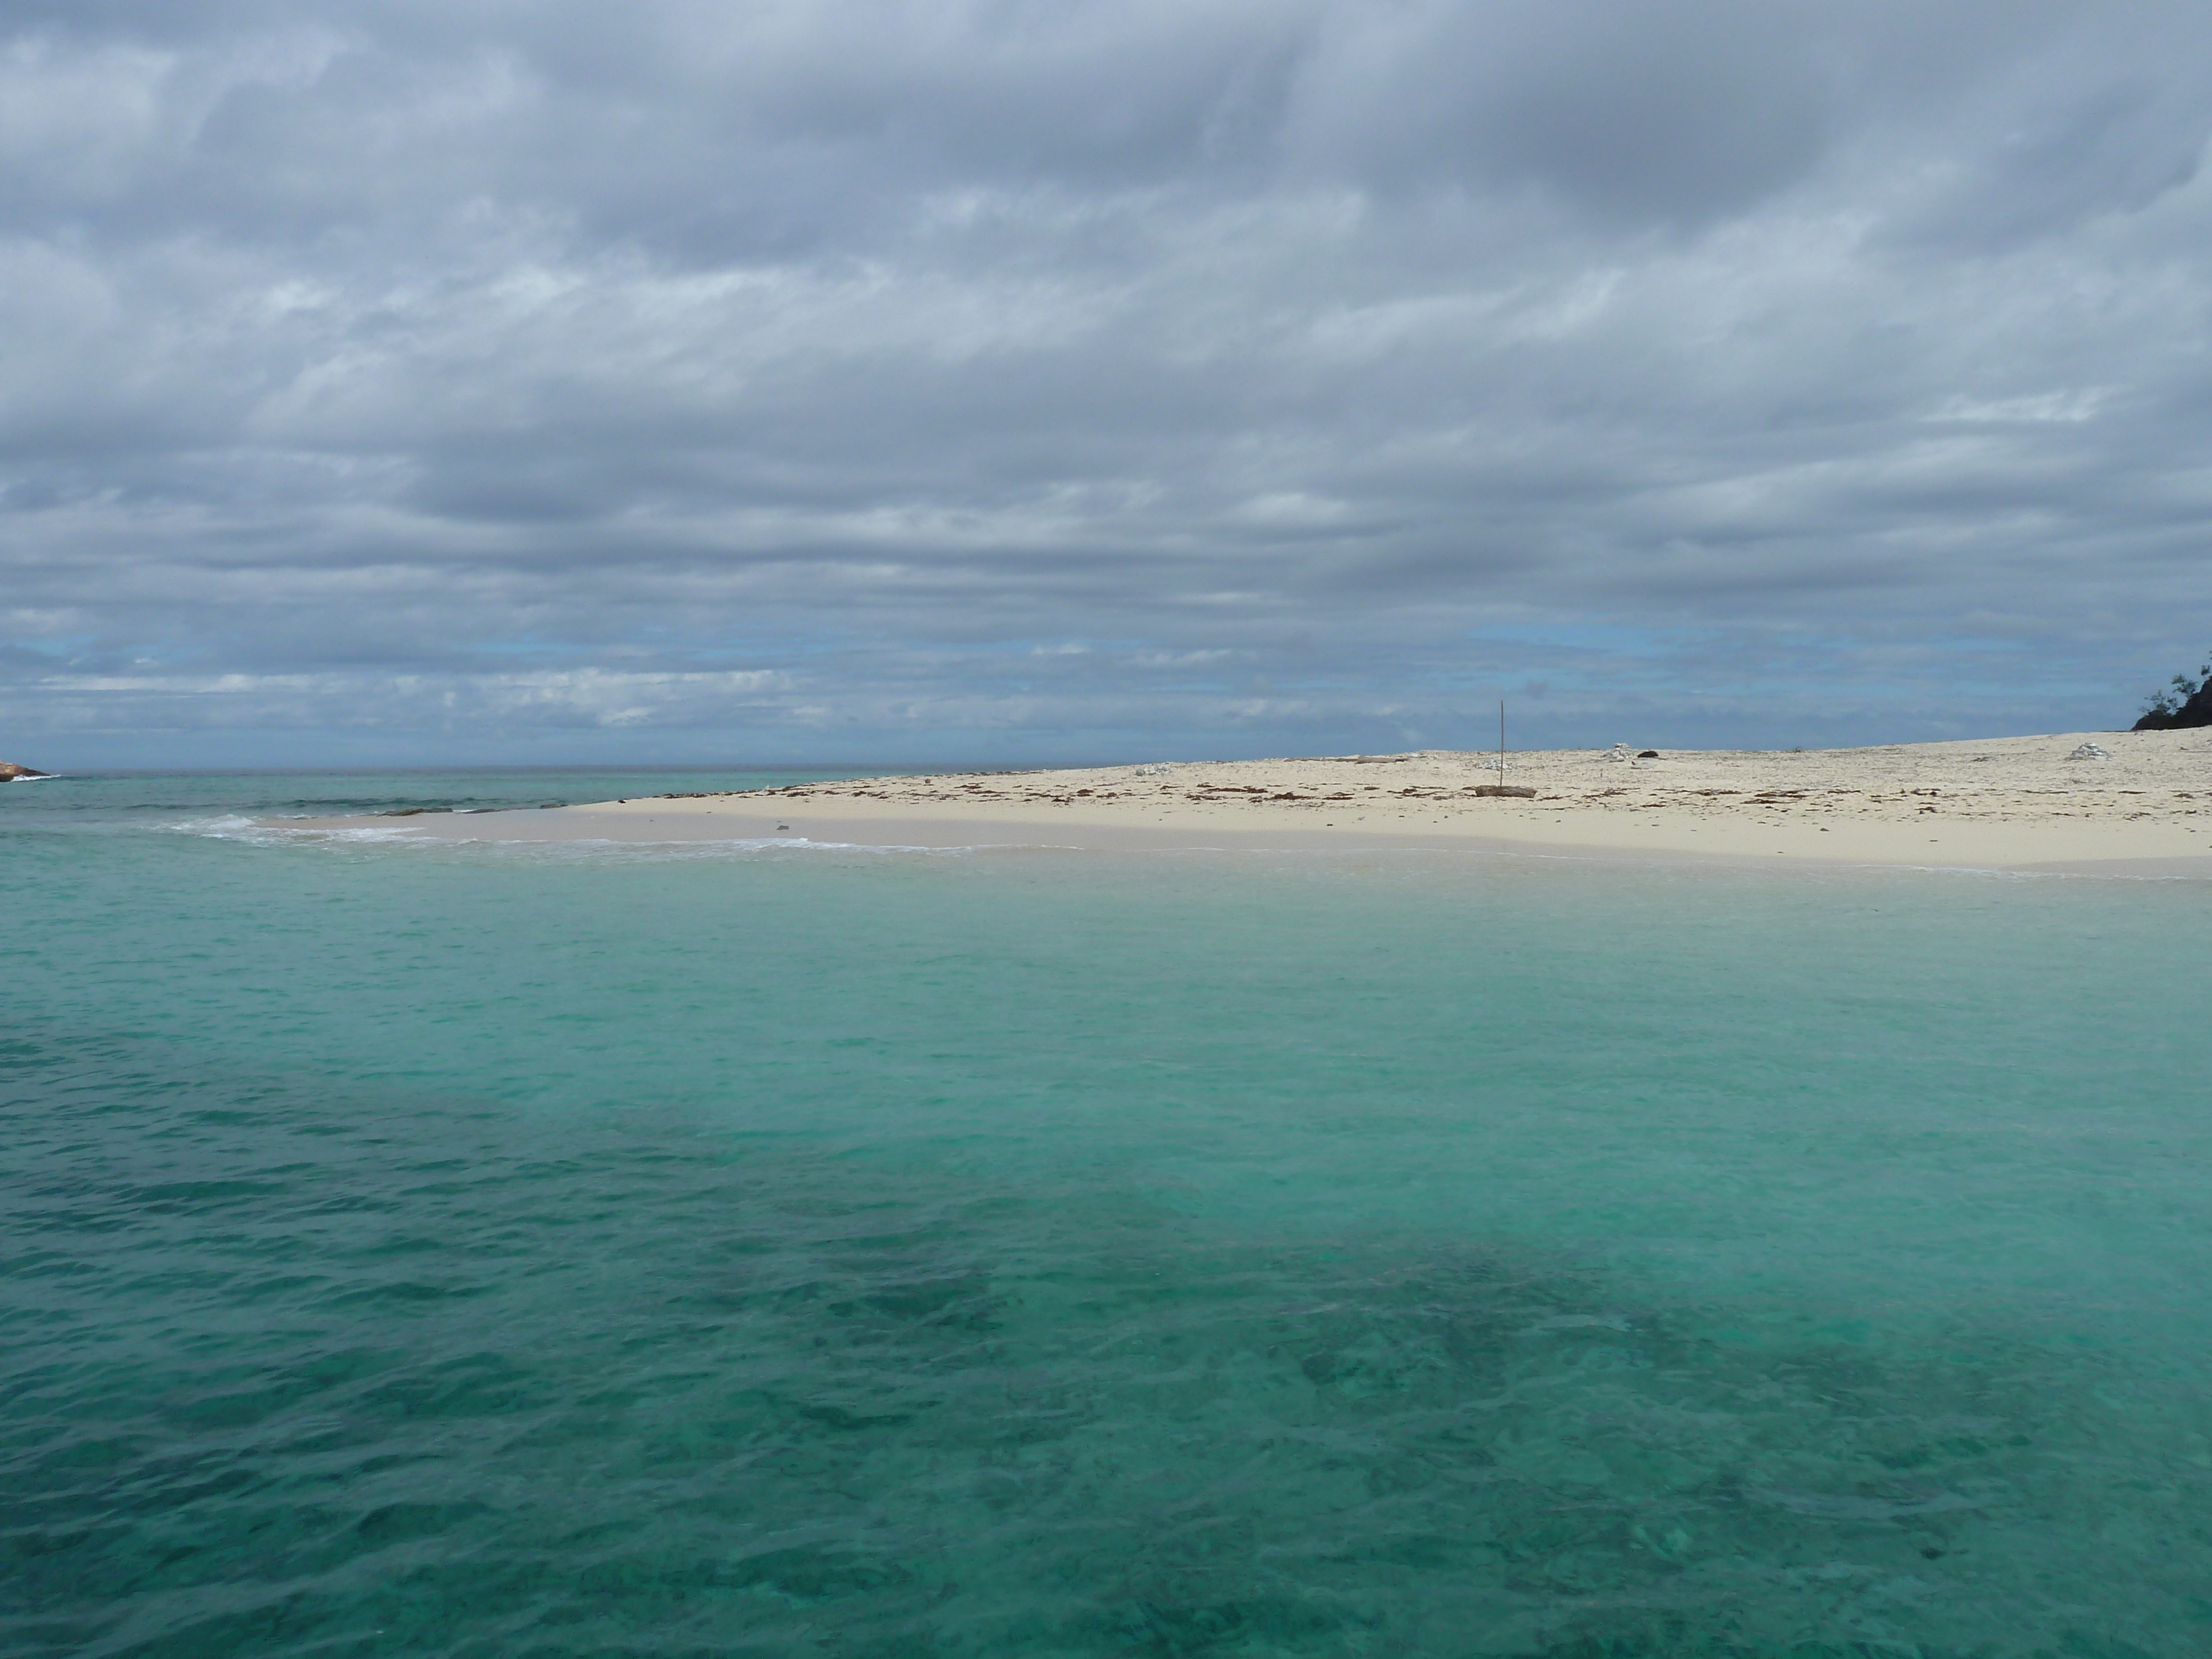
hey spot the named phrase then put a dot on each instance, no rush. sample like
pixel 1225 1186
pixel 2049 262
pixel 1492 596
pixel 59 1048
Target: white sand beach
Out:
pixel 2027 802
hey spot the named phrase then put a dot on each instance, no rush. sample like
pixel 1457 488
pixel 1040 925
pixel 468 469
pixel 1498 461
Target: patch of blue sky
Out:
pixel 1610 638
pixel 524 647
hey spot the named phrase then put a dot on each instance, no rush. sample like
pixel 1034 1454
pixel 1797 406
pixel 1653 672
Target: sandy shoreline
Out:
pixel 2002 803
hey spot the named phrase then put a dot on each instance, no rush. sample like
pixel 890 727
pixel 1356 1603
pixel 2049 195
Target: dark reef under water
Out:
pixel 303 1374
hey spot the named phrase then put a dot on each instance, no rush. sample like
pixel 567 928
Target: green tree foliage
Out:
pixel 2187 701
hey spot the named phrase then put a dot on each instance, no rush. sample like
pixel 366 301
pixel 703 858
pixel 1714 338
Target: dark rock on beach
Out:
pixel 9 772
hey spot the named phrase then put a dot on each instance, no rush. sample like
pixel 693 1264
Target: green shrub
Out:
pixel 2187 701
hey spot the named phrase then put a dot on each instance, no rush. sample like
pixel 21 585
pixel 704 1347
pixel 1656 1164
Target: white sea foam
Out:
pixel 230 826
pixel 264 833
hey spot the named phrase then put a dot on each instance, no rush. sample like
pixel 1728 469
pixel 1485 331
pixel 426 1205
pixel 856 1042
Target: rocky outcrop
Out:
pixel 9 772
pixel 2166 716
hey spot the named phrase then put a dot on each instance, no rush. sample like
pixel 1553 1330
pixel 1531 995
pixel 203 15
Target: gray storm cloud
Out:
pixel 937 380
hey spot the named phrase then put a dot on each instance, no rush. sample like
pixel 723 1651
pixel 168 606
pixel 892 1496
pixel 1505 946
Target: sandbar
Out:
pixel 2142 806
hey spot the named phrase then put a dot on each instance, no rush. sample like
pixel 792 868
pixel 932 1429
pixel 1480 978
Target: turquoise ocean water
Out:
pixel 768 1250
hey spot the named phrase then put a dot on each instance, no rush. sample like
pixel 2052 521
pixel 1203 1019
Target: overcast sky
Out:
pixel 471 380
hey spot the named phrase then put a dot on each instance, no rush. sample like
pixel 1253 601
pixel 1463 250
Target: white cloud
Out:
pixel 355 346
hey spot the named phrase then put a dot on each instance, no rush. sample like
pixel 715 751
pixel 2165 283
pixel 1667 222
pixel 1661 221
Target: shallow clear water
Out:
pixel 470 1249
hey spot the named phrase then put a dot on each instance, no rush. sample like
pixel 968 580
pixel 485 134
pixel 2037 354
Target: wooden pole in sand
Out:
pixel 1501 742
